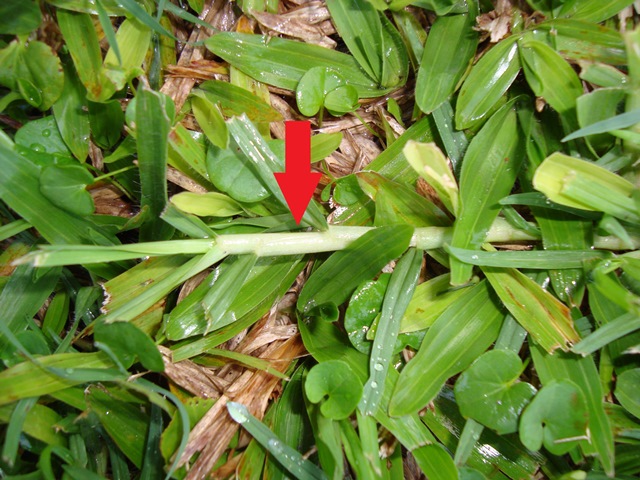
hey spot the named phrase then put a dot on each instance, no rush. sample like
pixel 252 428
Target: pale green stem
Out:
pixel 273 244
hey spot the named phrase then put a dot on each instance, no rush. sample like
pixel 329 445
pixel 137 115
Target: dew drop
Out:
pixel 378 367
pixel 274 444
pixel 374 385
pixel 37 147
pixel 46 132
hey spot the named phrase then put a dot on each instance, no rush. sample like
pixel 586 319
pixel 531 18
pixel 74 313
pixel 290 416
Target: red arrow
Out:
pixel 297 182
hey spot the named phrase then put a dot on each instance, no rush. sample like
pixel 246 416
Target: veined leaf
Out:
pixel 401 286
pixel 488 80
pixel 546 319
pixel 429 300
pixel 396 203
pixel 450 47
pixel 429 162
pixel 265 163
pixel 535 259
pixel 359 25
pixel 581 184
pixel 463 331
pixel 551 78
pixel 489 170
pixel 593 12
pixel 627 391
pixel 30 380
pixel 282 63
pixel 234 100
pixel 82 41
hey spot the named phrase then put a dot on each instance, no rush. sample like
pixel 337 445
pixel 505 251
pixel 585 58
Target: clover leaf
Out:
pixel 557 417
pixel 322 87
pixel 489 391
pixel 335 386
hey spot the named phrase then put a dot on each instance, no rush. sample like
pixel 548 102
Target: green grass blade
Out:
pixel 534 259
pixel 22 297
pixel 13 228
pixel 618 122
pixel 70 112
pixel 613 330
pixel 153 124
pixel 149 294
pixel 488 80
pixel 463 331
pixel 265 163
pixel 401 287
pixel 336 278
pixel 359 25
pixel 270 279
pixel 546 319
pixel 287 456
pixel 282 63
pixel 82 41
pixel 30 380
pixel 593 12
pixel 489 170
pixel 20 189
pixel 450 47
pixel 225 289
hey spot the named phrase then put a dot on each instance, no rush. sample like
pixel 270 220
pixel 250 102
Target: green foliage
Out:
pixel 160 304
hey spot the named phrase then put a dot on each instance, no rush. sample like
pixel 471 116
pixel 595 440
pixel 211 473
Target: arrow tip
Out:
pixel 298 190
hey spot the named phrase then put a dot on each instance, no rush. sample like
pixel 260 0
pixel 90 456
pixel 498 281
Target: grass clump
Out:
pixel 460 298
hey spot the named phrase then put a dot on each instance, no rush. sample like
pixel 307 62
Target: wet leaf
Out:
pixel 342 272
pixel 489 170
pixel 33 71
pixel 490 393
pixel 282 63
pixel 448 51
pixel 65 187
pixel 363 308
pixel 459 335
pixel 488 80
pixel 359 25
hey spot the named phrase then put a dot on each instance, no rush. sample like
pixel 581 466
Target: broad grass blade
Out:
pixel 463 331
pixel 489 170
pixel 488 80
pixel 153 124
pixel 282 63
pixel 450 47
pixel 359 25
pixel 336 278
pixel 546 319
pixel 401 287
